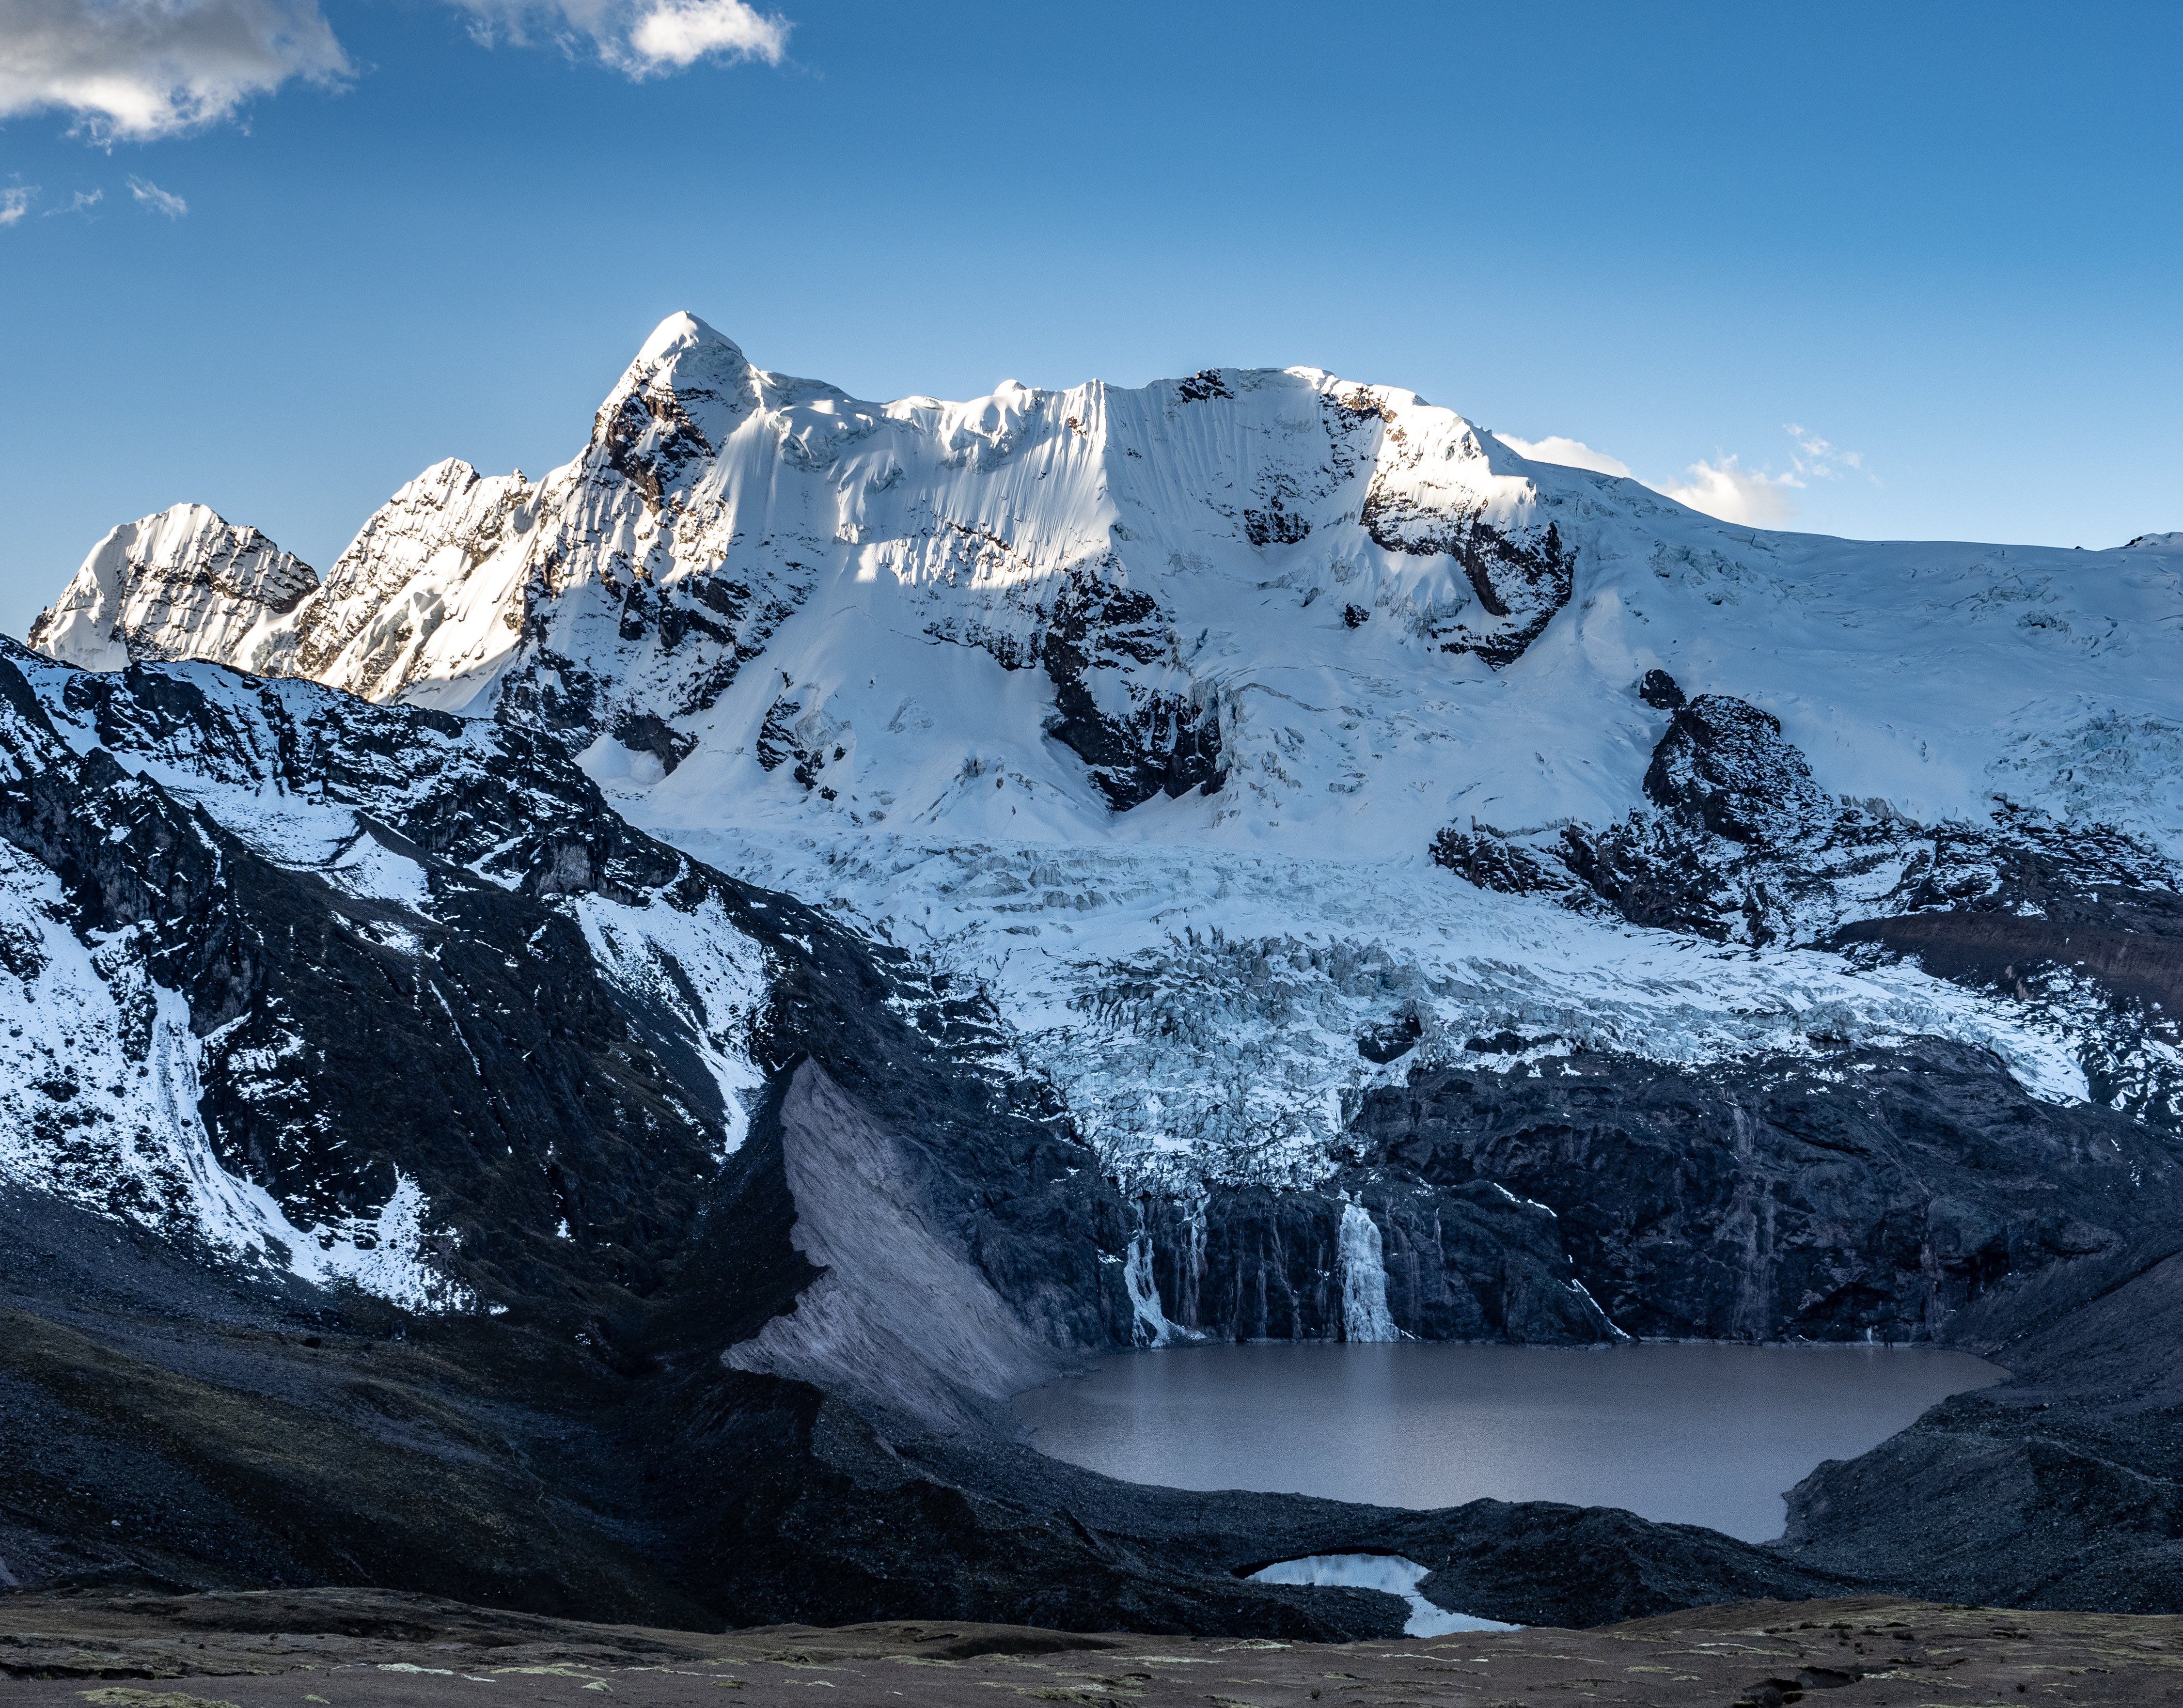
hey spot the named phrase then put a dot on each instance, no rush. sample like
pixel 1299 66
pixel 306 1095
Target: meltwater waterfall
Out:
pixel 1150 1327
pixel 1364 1314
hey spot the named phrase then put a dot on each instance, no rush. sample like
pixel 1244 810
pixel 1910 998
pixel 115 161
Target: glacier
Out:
pixel 1168 692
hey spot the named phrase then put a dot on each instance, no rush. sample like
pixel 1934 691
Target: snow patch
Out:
pixel 1389 1573
pixel 99 1099
pixel 693 964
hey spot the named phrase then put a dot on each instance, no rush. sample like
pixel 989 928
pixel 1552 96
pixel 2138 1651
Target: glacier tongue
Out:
pixel 1200 1010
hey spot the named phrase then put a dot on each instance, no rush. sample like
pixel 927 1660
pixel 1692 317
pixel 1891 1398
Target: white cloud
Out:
pixel 143 69
pixel 15 200
pixel 1723 489
pixel 1818 459
pixel 1570 453
pixel 77 202
pixel 157 200
pixel 1730 494
pixel 640 38
pixel 139 69
pixel 682 32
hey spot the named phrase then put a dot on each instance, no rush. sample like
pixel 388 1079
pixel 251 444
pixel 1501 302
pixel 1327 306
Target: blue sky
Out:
pixel 1940 240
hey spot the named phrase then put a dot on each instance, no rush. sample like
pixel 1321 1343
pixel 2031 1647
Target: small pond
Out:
pixel 1685 1433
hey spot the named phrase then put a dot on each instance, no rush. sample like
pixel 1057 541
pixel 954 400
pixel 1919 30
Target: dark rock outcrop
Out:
pixel 1166 743
pixel 1873 1192
pixel 1467 1261
pixel 1743 840
pixel 1725 767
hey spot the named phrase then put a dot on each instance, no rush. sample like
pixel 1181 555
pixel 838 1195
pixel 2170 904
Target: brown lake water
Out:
pixel 1691 1435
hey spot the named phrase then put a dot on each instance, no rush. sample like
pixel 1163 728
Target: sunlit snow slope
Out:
pixel 1145 706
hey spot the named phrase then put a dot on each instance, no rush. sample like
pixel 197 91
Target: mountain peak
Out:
pixel 185 583
pixel 680 331
pixel 679 398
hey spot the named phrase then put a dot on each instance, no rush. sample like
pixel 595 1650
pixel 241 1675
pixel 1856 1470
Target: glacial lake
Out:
pixel 1690 1434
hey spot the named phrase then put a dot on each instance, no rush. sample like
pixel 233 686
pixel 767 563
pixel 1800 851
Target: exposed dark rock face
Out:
pixel 1392 1042
pixel 649 733
pixel 1469 1261
pixel 1723 767
pixel 344 1028
pixel 1166 744
pixel 1492 862
pixel 1275 523
pixel 1652 871
pixel 1747 848
pixel 1743 841
pixel 1521 579
pixel 649 432
pixel 1874 1194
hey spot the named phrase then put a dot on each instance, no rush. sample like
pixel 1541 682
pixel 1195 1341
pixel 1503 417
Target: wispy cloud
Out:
pixel 15 200
pixel 137 69
pixel 78 204
pixel 1818 460
pixel 157 200
pixel 1731 494
pixel 639 38
pixel 1570 453
pixel 1723 488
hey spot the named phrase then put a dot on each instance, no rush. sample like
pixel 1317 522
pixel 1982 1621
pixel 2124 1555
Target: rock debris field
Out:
pixel 339 1647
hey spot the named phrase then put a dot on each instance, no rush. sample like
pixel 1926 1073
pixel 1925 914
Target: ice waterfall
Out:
pixel 1151 1327
pixel 1364 1315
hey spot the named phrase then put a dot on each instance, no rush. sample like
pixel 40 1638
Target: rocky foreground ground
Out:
pixel 349 1648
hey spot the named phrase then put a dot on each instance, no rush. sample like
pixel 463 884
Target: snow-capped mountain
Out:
pixel 657 996
pixel 184 580
pixel 1172 567
pixel 1147 710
